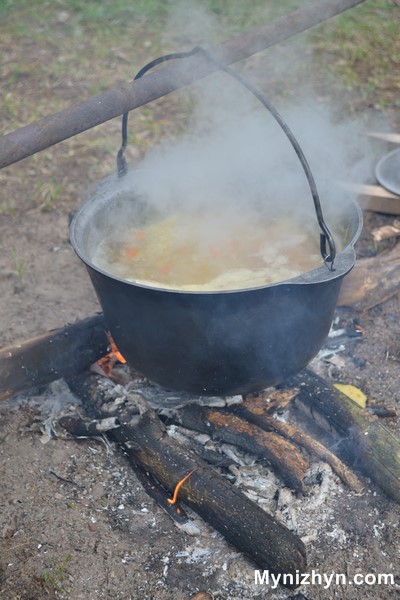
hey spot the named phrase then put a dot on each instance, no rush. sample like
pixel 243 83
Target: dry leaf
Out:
pixel 353 393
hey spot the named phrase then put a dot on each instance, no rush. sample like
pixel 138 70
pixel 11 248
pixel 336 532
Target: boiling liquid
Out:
pixel 210 252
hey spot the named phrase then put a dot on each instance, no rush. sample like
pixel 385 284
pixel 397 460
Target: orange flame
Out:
pixel 114 350
pixel 178 486
pixel 108 362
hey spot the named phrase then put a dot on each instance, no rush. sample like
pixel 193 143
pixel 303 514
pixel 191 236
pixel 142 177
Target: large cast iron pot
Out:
pixel 228 342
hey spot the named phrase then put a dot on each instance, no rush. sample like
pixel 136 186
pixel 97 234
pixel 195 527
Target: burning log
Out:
pixel 375 447
pixel 83 428
pixel 188 478
pixel 255 410
pixel 50 356
pixel 282 455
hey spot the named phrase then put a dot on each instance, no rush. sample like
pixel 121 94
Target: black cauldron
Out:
pixel 209 343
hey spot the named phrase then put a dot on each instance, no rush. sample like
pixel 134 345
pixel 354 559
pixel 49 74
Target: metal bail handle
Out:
pixel 326 238
pixel 122 167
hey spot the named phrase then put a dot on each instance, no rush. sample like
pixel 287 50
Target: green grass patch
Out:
pixel 361 50
pixel 55 577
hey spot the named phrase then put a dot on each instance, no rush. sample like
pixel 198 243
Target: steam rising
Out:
pixel 235 154
pixel 236 158
pixel 246 161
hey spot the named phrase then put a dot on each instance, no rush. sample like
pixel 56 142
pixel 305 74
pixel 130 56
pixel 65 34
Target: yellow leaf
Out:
pixel 353 393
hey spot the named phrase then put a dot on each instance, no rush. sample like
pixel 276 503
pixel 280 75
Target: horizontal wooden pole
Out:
pixel 101 108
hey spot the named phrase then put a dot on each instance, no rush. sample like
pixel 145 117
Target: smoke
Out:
pixel 190 23
pixel 234 154
pixel 244 159
pixel 235 159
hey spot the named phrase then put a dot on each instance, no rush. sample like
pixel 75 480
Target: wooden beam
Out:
pixel 392 138
pixel 372 281
pixel 375 198
pixel 105 106
pixel 50 356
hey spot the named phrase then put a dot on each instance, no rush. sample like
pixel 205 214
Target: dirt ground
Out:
pixel 75 522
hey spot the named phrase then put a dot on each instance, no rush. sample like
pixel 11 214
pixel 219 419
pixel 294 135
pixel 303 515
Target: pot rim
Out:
pixel 344 261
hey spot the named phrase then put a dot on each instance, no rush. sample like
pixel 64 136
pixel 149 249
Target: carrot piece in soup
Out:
pixel 130 252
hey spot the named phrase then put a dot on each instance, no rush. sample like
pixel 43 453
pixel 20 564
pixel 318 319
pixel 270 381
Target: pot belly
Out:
pixel 222 343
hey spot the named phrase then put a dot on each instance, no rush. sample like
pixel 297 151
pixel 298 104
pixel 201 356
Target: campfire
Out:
pixel 225 458
pixel 253 443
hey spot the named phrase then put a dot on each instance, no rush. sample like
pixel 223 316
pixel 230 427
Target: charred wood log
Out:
pixel 283 456
pixel 255 410
pixel 367 441
pixel 383 412
pixel 85 428
pixel 372 281
pixel 180 471
pixel 58 353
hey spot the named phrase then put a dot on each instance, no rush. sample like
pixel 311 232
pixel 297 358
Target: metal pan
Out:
pixel 387 171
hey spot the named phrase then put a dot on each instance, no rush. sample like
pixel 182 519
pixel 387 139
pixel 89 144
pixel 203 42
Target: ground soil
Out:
pixel 75 522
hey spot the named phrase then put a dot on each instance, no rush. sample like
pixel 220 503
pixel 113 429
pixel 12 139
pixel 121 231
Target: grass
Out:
pixel 49 193
pixel 54 53
pixel 20 265
pixel 55 577
pixel 99 42
pixel 361 50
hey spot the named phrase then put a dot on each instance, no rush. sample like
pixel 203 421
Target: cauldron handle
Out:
pixel 122 167
pixel 325 236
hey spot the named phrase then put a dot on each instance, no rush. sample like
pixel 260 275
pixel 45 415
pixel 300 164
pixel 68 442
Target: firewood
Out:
pixel 382 411
pixel 58 353
pixel 375 198
pixel 386 232
pixel 283 456
pixel 392 138
pixel 374 446
pixel 242 522
pixel 81 428
pixel 372 281
pixel 252 412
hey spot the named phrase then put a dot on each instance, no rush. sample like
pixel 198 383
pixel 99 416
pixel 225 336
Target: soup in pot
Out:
pixel 209 252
